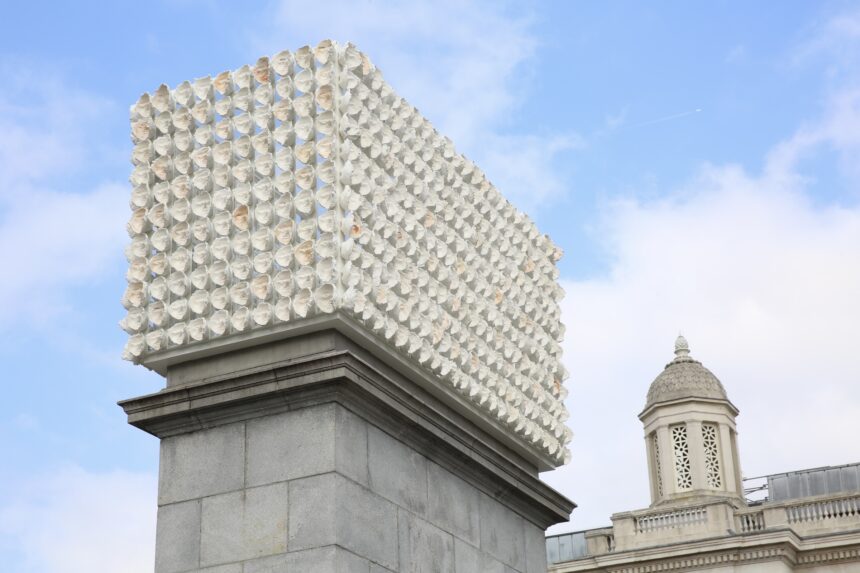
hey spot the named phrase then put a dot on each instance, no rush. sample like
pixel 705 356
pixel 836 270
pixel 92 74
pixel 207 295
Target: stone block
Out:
pixel 177 537
pixel 502 533
pixel 453 504
pixel 535 542
pixel 330 559
pixel 366 523
pixel 306 442
pixel 253 359
pixel 346 562
pixel 397 472
pixel 469 559
pixel 279 563
pixel 229 568
pixel 313 516
pixel 351 445
pixel 202 463
pixel 329 509
pixel 244 524
pixel 424 548
pixel 291 445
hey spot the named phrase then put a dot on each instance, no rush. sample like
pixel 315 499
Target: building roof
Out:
pixel 684 377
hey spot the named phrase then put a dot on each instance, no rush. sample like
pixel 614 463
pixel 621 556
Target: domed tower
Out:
pixel 690 434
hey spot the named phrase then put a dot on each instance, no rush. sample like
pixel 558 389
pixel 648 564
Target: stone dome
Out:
pixel 684 378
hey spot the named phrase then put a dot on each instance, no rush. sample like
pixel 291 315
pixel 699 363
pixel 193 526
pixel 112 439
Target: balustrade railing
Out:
pixel 671 519
pixel 750 522
pixel 824 510
pixel 804 515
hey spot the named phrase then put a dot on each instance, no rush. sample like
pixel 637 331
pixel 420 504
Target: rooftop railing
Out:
pixel 824 510
pixel 806 516
pixel 566 547
pixel 579 544
pixel 750 521
pixel 671 519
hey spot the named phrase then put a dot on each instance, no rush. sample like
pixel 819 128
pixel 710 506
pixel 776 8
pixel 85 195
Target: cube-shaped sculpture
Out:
pixel 304 186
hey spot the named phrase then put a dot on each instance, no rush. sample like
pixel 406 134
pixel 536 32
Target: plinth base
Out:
pixel 313 455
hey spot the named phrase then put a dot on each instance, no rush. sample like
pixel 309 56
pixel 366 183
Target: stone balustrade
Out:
pixel 749 521
pixel 632 530
pixel 824 510
pixel 671 519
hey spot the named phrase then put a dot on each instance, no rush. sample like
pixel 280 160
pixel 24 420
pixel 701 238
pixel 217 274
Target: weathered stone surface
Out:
pixel 329 559
pixel 321 559
pixel 229 568
pixel 347 562
pixel 466 557
pixel 454 505
pixel 367 523
pixel 291 445
pixel 330 475
pixel 202 463
pixel 469 559
pixel 244 524
pixel 313 521
pixel 279 563
pixel 351 445
pixel 306 442
pixel 351 370
pixel 397 472
pixel 177 537
pixel 535 539
pixel 330 509
pixel 424 548
pixel 251 358
pixel 502 533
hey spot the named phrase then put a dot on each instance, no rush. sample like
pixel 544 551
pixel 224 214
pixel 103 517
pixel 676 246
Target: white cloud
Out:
pixel 46 125
pixel 52 240
pixel 465 65
pixel 833 42
pixel 523 163
pixel 81 522
pixel 762 278
pixel 52 236
pixel 838 131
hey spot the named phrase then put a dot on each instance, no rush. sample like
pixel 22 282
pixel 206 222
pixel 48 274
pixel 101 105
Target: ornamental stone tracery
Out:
pixel 712 456
pixel 681 450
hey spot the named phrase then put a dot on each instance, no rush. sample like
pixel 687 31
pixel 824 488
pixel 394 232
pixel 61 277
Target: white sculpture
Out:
pixel 304 185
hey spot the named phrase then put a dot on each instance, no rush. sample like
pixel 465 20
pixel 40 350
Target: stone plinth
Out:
pixel 316 453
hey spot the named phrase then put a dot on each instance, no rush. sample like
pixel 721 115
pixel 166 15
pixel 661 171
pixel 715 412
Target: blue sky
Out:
pixel 697 163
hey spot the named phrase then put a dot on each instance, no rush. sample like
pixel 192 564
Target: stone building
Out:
pixel 699 518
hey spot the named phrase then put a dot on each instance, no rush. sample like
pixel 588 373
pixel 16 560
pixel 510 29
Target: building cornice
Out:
pixel 774 545
pixel 651 408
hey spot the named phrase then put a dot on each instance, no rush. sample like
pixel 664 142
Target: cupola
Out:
pixel 690 434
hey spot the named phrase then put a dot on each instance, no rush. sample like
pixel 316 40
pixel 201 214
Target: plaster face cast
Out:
pixel 302 186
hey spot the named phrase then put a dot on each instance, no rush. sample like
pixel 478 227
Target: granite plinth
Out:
pixel 314 454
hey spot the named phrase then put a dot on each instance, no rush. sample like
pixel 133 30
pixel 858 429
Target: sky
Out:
pixel 699 163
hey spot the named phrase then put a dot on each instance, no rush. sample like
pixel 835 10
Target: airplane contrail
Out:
pixel 667 118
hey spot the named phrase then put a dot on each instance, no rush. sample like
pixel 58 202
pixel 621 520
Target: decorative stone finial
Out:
pixel 682 348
